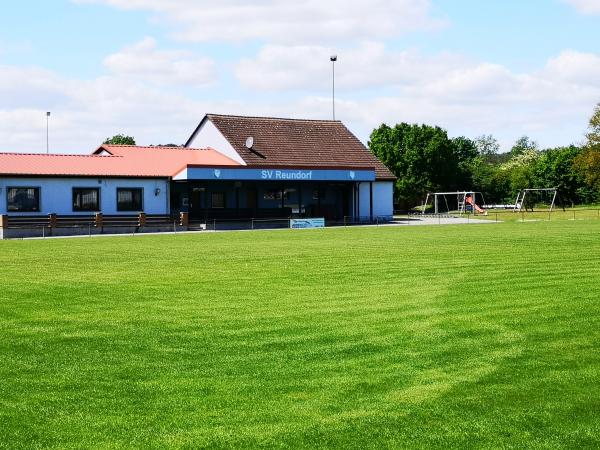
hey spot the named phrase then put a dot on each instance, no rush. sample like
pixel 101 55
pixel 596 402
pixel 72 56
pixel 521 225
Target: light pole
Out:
pixel 333 59
pixel 47 133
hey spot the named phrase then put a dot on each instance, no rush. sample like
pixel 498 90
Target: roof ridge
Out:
pixel 274 118
pixel 157 147
pixel 78 155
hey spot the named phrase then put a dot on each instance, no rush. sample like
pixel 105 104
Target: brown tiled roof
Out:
pixel 297 143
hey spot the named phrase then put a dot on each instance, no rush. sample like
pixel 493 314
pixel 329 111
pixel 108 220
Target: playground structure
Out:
pixel 524 198
pixel 465 200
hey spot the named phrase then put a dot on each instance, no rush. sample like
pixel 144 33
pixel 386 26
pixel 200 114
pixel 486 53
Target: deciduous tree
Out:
pixel 120 139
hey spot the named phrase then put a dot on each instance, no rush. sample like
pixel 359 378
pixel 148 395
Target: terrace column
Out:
pixel 371 200
pixel 184 219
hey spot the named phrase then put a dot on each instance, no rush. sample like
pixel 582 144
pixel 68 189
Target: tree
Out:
pixel 593 135
pixel 520 171
pixel 523 145
pixel 120 139
pixel 423 159
pixel 556 168
pixel 588 162
pixel 487 146
pixel 466 153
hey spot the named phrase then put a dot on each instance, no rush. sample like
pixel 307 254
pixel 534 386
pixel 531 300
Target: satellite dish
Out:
pixel 250 142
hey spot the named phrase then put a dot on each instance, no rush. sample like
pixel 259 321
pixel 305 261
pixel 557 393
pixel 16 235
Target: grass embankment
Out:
pixel 363 337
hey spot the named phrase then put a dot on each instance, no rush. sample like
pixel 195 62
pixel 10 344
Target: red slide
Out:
pixel 474 205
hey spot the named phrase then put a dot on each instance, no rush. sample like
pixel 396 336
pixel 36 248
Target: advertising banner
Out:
pixel 307 223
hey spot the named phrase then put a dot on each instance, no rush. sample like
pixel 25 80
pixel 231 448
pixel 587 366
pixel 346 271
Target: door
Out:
pixel 251 200
pixel 197 203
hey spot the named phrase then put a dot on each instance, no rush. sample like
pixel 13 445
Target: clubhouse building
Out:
pixel 231 168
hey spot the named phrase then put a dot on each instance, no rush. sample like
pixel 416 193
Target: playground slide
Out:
pixel 475 205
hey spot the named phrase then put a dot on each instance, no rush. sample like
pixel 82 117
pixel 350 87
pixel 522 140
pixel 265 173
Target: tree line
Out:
pixel 425 159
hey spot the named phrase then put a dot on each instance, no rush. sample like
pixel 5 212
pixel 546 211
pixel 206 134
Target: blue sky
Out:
pixel 152 68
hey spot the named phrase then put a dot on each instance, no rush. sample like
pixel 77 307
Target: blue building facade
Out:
pixel 20 196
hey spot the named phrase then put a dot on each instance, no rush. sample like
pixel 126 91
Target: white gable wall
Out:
pixel 209 136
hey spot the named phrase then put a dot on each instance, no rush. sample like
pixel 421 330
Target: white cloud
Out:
pixel 84 112
pixel 586 6
pixel 552 104
pixel 575 67
pixel 143 61
pixel 279 67
pixel 279 21
pixel 443 76
pixel 468 97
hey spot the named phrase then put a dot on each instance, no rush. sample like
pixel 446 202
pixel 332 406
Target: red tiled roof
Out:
pixel 126 161
pixel 297 143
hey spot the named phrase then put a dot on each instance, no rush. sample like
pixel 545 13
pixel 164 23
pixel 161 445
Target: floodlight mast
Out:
pixel 333 59
pixel 47 132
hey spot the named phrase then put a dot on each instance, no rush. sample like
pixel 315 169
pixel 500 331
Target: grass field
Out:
pixel 538 215
pixel 452 336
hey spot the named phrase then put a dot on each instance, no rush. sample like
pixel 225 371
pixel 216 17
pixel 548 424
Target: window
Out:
pixel 23 199
pixel 217 199
pixel 86 199
pixel 272 194
pixel 130 199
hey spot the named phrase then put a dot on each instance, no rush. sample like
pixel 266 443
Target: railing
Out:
pixel 242 224
pixel 63 225
pixel 541 215
pixel 504 215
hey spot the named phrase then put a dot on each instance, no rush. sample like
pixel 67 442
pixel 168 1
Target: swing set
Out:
pixel 466 202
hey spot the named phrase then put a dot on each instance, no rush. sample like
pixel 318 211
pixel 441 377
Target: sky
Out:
pixel 152 68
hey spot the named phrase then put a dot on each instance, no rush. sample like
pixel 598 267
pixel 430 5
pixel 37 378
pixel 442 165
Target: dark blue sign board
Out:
pixel 198 173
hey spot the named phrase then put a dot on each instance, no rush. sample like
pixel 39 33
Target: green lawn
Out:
pixel 452 336
pixel 591 213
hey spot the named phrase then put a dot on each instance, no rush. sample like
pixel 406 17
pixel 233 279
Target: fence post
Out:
pixel 142 220
pixel 3 221
pixel 184 219
pixel 52 220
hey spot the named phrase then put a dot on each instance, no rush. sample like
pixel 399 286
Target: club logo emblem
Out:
pixel 352 174
pixel 217 173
